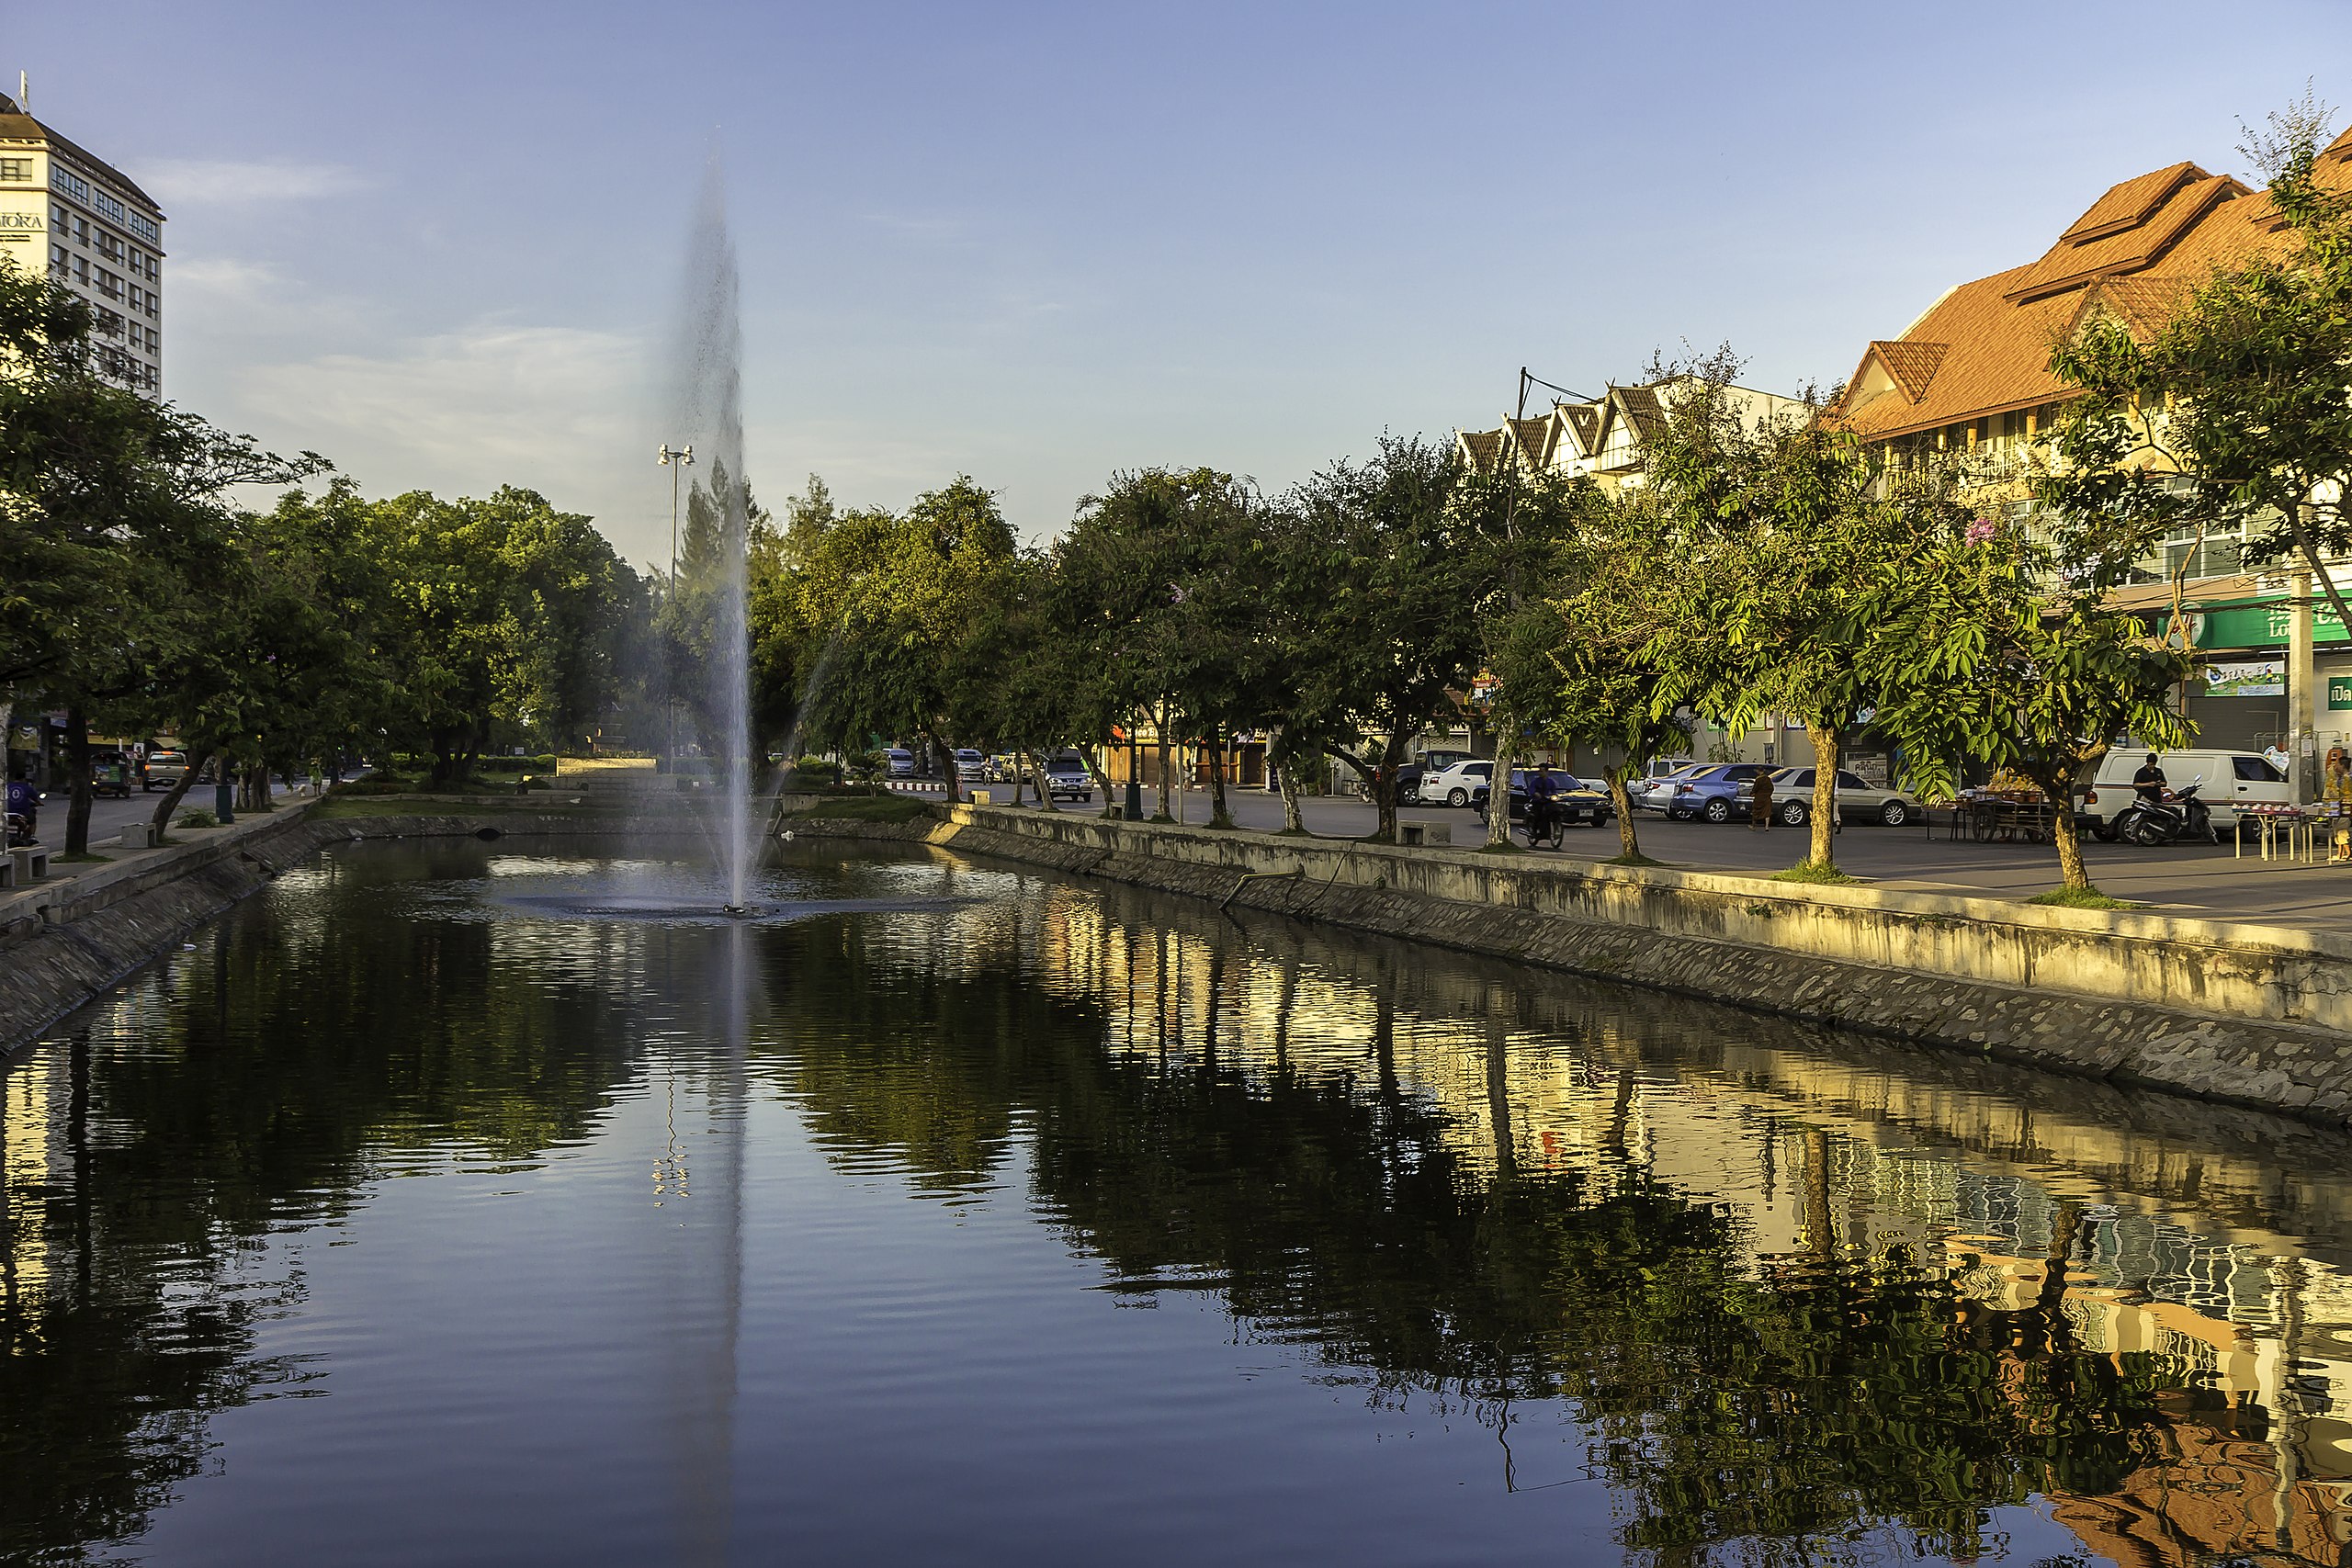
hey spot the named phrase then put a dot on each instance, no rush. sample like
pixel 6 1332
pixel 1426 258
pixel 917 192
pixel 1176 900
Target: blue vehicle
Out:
pixel 1710 793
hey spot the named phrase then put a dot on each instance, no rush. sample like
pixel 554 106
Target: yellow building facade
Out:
pixel 68 215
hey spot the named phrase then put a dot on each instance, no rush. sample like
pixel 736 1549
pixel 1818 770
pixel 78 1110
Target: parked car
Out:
pixel 970 766
pixel 2231 779
pixel 1580 803
pixel 1410 775
pixel 1857 800
pixel 1067 778
pixel 1649 792
pixel 1710 792
pixel 1458 785
pixel 164 769
pixel 902 762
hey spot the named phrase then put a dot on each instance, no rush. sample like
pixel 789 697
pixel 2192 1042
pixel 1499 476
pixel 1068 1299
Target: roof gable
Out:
pixel 1912 364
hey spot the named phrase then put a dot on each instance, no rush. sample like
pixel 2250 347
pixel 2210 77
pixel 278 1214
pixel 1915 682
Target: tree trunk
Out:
pixel 1825 793
pixel 1499 822
pixel 179 791
pixel 1218 816
pixel 947 766
pixel 2070 848
pixel 77 781
pixel 2059 787
pixel 1282 756
pixel 1384 781
pixel 1160 740
pixel 1101 782
pixel 1629 843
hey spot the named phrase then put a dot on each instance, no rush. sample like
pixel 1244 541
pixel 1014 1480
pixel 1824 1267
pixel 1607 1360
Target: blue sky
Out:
pixel 1036 243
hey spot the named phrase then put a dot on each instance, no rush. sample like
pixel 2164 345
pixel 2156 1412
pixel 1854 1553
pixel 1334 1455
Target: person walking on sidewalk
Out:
pixel 1760 803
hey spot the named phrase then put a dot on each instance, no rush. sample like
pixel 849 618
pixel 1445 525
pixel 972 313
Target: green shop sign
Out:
pixel 2264 625
pixel 2339 692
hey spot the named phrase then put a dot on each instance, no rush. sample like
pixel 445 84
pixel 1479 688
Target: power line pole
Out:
pixel 677 460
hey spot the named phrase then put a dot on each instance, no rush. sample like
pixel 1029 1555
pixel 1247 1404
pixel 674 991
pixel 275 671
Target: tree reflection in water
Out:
pixel 1777 1290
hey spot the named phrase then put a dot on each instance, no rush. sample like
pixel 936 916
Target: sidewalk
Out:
pixel 2204 880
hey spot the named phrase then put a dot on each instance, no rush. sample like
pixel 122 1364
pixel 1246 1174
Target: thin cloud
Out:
pixel 218 182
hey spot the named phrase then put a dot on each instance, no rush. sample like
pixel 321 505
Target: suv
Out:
pixel 1860 801
pixel 163 769
pixel 1067 778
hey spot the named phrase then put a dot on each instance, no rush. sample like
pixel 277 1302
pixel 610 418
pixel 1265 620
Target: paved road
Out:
pixel 2193 879
pixel 109 817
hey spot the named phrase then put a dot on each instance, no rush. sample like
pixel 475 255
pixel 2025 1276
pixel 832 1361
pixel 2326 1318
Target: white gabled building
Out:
pixel 1604 437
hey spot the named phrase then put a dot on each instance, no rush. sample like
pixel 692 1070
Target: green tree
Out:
pixel 1798 548
pixel 887 605
pixel 501 617
pixel 1383 586
pixel 1159 578
pixel 118 546
pixel 1598 659
pixel 1992 651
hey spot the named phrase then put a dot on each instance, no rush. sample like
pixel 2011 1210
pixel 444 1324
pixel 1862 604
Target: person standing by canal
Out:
pixel 2336 799
pixel 1759 802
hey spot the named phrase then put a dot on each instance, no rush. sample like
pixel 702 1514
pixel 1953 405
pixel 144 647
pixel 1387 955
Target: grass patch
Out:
pixel 197 819
pixel 1505 848
pixel 866 808
pixel 2082 899
pixel 1637 858
pixel 1819 873
pixel 80 857
pixel 1294 833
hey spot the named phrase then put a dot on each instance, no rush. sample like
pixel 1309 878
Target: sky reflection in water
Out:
pixel 997 1218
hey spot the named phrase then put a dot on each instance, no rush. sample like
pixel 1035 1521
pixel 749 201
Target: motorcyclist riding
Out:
pixel 1541 788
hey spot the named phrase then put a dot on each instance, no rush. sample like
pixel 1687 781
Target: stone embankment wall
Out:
pixel 2256 1015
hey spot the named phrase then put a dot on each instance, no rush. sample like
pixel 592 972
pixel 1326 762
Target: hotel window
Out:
pixel 59 259
pixel 58 219
pixel 16 168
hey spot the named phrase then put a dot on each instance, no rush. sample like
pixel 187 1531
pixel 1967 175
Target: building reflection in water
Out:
pixel 2194 1251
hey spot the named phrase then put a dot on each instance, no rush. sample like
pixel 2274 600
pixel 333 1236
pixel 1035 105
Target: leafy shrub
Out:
pixel 198 819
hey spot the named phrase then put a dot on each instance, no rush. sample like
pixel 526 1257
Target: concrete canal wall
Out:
pixel 2252 1014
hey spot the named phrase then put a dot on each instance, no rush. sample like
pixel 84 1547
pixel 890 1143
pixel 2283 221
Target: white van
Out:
pixel 2227 781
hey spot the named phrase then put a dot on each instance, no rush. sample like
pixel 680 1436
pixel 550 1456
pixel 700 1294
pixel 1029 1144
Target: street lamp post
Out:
pixel 1135 774
pixel 676 459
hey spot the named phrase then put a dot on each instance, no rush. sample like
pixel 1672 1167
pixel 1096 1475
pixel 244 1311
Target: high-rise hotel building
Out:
pixel 66 215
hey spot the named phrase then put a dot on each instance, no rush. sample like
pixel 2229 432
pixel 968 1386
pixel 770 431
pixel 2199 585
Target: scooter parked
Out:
pixel 2183 817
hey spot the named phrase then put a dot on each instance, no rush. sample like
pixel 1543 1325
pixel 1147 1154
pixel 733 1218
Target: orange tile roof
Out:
pixel 1983 348
pixel 1913 365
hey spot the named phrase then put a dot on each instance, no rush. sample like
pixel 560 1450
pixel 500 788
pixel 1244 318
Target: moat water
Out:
pixel 441 1205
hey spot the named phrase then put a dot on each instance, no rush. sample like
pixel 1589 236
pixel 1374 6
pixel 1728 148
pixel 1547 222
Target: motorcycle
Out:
pixel 2152 822
pixel 23 815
